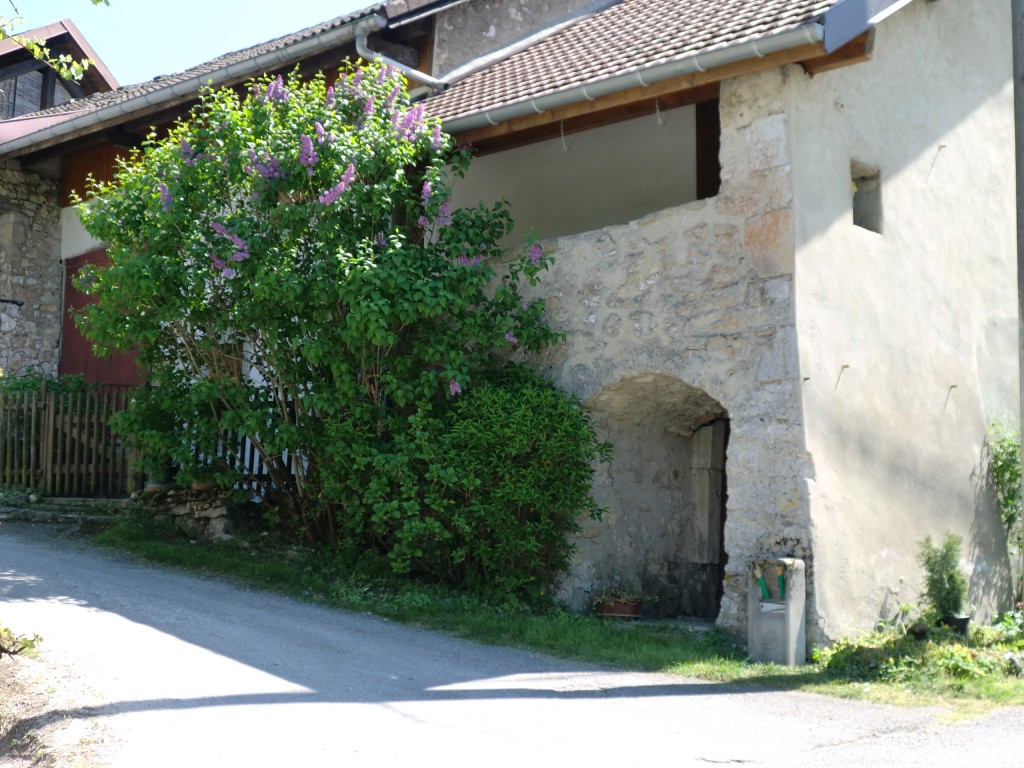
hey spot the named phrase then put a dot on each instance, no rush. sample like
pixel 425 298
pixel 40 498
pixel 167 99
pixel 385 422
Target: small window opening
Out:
pixel 867 197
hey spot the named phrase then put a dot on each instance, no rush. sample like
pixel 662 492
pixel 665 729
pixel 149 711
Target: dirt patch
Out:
pixel 45 720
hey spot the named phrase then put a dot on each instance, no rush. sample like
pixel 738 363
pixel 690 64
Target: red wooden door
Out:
pixel 76 355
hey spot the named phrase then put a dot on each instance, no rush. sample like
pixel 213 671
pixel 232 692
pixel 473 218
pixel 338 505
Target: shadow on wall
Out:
pixel 991 580
pixel 665 495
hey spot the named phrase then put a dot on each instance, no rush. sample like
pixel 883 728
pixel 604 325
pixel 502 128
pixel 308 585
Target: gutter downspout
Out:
pixel 237 70
pixel 702 62
pixel 376 23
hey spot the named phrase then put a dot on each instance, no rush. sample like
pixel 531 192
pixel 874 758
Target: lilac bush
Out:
pixel 290 267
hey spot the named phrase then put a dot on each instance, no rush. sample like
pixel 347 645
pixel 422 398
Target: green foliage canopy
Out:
pixel 290 268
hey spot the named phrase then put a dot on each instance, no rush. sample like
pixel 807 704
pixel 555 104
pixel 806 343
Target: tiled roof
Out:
pixel 629 35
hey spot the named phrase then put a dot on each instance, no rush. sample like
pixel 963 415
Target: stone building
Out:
pixel 784 263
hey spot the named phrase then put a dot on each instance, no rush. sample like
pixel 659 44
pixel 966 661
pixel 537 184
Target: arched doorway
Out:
pixel 665 493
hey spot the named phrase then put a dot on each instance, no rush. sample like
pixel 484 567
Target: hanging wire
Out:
pixel 16 11
pixel 561 129
pixel 657 110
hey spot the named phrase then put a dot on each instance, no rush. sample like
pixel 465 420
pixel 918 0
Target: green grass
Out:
pixel 888 665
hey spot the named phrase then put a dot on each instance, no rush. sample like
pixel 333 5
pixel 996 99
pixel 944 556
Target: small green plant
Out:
pixel 12 644
pixel 945 586
pixel 626 592
pixel 1004 453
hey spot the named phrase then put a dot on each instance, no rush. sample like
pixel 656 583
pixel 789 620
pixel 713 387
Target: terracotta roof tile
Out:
pixel 629 35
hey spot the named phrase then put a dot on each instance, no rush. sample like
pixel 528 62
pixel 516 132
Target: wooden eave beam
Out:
pixel 857 50
pixel 626 104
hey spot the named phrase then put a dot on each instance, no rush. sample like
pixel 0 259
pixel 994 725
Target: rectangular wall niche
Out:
pixel 867 196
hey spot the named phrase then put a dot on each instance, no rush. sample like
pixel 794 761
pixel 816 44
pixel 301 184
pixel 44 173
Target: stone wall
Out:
pixel 31 276
pixel 474 29
pixel 676 320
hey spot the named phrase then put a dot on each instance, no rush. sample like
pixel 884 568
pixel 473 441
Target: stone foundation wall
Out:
pixel 31 275
pixel 675 320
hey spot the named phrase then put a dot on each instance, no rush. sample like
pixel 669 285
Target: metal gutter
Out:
pixel 235 71
pixel 376 23
pixel 701 62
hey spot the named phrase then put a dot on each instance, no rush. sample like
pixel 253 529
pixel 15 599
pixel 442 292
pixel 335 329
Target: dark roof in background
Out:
pixel 63 37
pixel 629 35
pixel 129 92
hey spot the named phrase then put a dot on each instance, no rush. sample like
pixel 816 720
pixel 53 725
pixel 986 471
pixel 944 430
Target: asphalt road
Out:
pixel 187 671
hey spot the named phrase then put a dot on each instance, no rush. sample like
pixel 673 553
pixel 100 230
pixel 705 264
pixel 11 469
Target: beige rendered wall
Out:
pixel 611 175
pixel 908 339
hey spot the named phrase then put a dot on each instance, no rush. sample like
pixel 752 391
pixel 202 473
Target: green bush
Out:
pixel 945 587
pixel 487 493
pixel 288 263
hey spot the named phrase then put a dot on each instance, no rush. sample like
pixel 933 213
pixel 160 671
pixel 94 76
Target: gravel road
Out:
pixel 163 668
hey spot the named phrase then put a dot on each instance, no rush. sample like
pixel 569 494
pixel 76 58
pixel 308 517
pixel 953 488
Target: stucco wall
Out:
pixel 30 273
pixel 611 175
pixel 908 339
pixel 473 29
pixel 671 317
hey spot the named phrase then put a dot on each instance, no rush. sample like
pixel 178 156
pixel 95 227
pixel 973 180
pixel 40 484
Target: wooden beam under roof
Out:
pixel 691 88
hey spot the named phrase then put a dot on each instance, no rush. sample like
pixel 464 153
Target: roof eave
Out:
pixel 231 73
pixel 701 62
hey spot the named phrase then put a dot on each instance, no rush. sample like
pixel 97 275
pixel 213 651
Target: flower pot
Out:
pixel 958 624
pixel 619 609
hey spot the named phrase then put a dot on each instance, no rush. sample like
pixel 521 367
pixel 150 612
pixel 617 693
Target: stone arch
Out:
pixel 664 495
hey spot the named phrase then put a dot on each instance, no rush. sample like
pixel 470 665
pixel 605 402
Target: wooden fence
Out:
pixel 61 444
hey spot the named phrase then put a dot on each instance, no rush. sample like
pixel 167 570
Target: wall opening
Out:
pixel 866 183
pixel 665 494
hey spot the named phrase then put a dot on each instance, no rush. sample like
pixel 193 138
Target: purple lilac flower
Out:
pixel 165 198
pixel 437 139
pixel 534 253
pixel 444 214
pixel 454 388
pixel 332 194
pixel 229 273
pixel 368 107
pixel 423 221
pixel 331 99
pixel 525 305
pixel 428 190
pixel 322 136
pixel 276 90
pixel 219 228
pixel 271 169
pixel 465 261
pixel 393 96
pixel 384 74
pixel 357 79
pixel 380 239
pixel 511 339
pixel 219 264
pixel 187 153
pixel 408 124
pixel 307 155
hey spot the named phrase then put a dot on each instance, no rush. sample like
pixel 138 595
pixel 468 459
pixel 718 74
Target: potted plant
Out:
pixel 619 601
pixel 945 586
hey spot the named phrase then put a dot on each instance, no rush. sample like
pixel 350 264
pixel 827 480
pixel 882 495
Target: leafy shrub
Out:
pixel 945 587
pixel 1004 452
pixel 308 285
pixel 487 492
